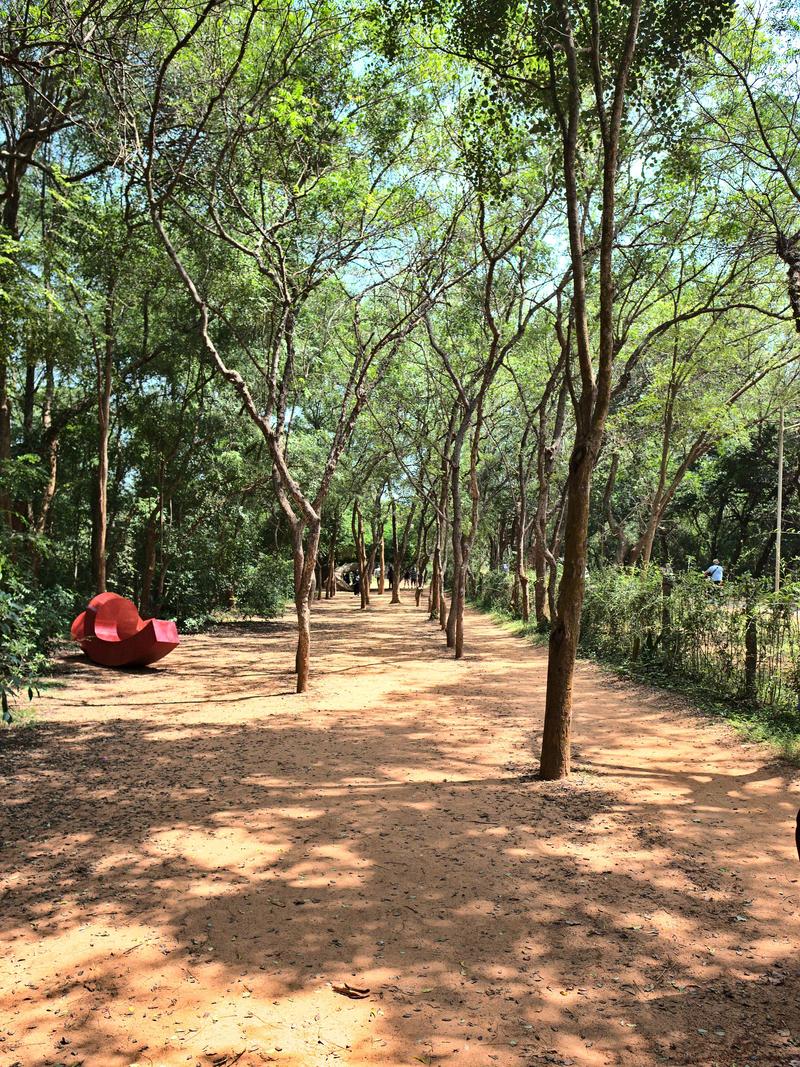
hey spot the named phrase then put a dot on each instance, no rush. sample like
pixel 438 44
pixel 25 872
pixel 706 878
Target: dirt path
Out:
pixel 191 854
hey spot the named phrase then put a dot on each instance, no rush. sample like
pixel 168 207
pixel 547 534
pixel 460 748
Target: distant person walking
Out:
pixel 714 572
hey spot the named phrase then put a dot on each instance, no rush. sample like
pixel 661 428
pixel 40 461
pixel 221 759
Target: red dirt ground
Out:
pixel 193 856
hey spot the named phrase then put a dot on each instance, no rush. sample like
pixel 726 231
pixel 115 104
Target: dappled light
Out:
pixel 192 878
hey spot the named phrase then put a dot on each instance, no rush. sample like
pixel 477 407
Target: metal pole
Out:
pixel 780 506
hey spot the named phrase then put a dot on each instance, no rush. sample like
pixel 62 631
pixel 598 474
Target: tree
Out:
pixel 576 66
pixel 276 199
pixel 750 122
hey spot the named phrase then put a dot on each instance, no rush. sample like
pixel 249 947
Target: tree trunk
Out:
pixel 521 572
pixel 371 563
pixel 455 536
pixel 788 248
pixel 552 589
pixel 433 596
pixel 540 604
pixel 51 441
pixel 25 507
pixel 361 554
pixel 565 630
pixel 395 558
pixel 400 551
pixel 617 528
pixel 305 559
pixel 648 538
pixel 459 596
pixel 303 653
pixel 104 373
pixel 330 583
pixel 382 575
pixel 149 571
pixel 5 437
pixel 751 653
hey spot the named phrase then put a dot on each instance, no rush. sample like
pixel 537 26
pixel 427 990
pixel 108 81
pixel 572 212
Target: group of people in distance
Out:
pixel 410 580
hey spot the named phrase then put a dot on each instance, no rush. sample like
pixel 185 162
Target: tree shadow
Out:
pixel 224 872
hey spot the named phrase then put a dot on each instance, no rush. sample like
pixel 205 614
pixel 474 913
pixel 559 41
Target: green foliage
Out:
pixel 685 629
pixel 521 76
pixel 492 592
pixel 30 621
pixel 266 586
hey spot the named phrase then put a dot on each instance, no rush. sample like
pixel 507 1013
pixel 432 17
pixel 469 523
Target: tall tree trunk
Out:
pixel 400 549
pixel 788 248
pixel 304 551
pixel 459 596
pixel 104 377
pixel 377 549
pixel 455 536
pixel 149 569
pixel 648 537
pixel 433 595
pixel 423 554
pixel 361 554
pixel 616 527
pixel 546 459
pixel 25 507
pixel 468 540
pixel 51 442
pixel 395 558
pixel 443 613
pixel 565 629
pixel 373 552
pixel 5 438
pixel 519 552
pixel 362 561
pixel 154 531
pixel 592 405
pixel 644 547
pixel 330 584
pixel 540 605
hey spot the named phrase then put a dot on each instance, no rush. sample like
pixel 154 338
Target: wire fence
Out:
pixel 738 640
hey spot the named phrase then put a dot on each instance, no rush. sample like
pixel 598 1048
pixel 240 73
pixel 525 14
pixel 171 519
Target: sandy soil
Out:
pixel 193 857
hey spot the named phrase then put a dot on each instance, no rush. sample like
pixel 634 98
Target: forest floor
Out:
pixel 194 859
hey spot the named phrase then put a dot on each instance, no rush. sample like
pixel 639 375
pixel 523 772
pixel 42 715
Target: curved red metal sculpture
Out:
pixel 112 633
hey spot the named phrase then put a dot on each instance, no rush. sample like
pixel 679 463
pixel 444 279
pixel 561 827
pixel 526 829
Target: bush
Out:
pixel 621 611
pixel 492 591
pixel 30 620
pixel 266 587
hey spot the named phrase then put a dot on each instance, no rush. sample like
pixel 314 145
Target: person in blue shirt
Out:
pixel 714 572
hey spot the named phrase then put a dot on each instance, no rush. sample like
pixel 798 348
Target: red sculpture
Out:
pixel 111 632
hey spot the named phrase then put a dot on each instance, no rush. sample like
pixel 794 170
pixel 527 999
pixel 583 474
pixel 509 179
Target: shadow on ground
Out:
pixel 176 888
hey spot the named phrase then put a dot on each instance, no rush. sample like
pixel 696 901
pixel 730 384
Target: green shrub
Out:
pixel 266 586
pixel 492 592
pixel 30 620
